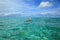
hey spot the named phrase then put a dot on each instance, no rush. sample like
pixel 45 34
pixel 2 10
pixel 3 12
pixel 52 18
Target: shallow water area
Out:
pixel 36 29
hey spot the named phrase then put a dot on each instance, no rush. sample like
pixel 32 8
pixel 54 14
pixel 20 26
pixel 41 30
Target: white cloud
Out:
pixel 51 12
pixel 9 7
pixel 45 4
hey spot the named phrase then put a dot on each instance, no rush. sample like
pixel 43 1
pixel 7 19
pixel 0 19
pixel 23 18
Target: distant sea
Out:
pixel 36 29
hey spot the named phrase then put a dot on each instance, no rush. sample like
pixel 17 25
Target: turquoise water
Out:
pixel 36 29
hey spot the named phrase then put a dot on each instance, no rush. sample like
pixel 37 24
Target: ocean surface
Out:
pixel 36 29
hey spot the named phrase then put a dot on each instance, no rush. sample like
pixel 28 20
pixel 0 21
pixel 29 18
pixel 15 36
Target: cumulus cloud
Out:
pixel 45 4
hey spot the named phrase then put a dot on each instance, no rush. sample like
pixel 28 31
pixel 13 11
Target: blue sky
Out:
pixel 30 7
